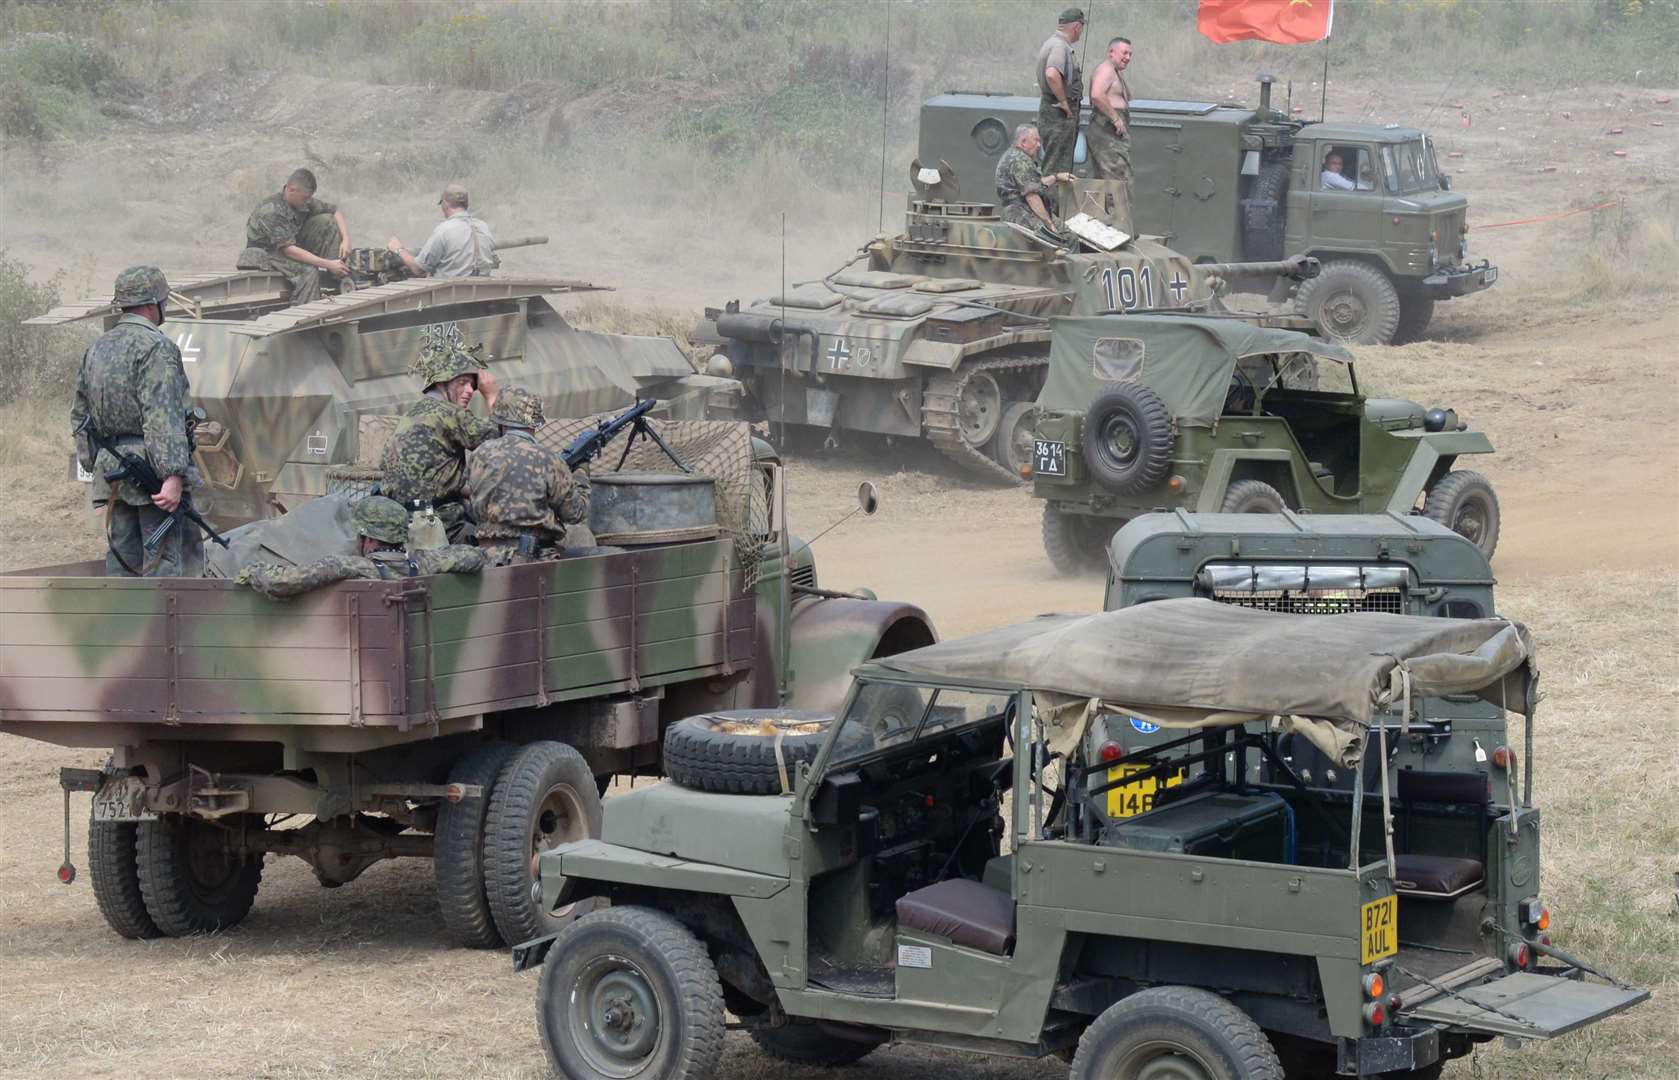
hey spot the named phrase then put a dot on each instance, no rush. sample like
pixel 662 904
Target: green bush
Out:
pixel 41 362
pixel 50 82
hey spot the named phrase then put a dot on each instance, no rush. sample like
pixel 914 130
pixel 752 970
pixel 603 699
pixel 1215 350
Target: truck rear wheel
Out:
pixel 1465 503
pixel 630 992
pixel 1076 542
pixel 458 863
pixel 1252 497
pixel 191 883
pixel 544 797
pixel 1415 312
pixel 807 1044
pixel 1352 303
pixel 1175 1031
pixel 115 871
pixel 736 752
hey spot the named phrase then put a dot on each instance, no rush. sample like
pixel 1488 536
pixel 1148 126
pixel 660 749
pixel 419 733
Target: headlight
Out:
pixel 1463 249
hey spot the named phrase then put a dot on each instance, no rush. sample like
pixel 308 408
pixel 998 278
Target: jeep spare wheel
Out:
pixel 1128 439
pixel 744 751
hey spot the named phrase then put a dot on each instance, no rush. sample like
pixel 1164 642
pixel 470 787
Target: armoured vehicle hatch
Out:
pixel 946 867
pixel 282 386
pixel 1222 182
pixel 940 334
pixel 1146 412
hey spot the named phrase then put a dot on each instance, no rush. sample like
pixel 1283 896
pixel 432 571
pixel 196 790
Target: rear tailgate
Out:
pixel 1527 1005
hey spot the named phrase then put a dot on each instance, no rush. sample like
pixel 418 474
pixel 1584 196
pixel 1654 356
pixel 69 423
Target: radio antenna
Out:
pixel 781 346
pixel 885 98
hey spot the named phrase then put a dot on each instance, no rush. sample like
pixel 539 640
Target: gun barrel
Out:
pixel 521 241
pixel 1299 267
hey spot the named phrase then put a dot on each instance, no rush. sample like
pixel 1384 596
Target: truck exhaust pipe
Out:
pixel 1265 82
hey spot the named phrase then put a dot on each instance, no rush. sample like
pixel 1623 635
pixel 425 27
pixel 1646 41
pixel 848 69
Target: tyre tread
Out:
pixel 115 873
pixel 699 757
pixel 1385 320
pixel 1443 498
pixel 458 865
pixel 169 899
pixel 507 879
pixel 1254 1052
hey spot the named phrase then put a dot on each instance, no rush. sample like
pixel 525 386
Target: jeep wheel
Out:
pixel 1128 439
pixel 1013 445
pixel 191 883
pixel 458 864
pixel 630 992
pixel 1176 1032
pixel 1415 313
pixel 1252 497
pixel 1464 502
pixel 807 1044
pixel 115 872
pixel 1076 542
pixel 744 751
pixel 1352 303
pixel 544 797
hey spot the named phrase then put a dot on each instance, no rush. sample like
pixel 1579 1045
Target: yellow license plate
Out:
pixel 1130 800
pixel 1381 929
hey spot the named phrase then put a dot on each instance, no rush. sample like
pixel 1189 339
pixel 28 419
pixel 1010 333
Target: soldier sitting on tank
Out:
pixel 460 245
pixel 382 526
pixel 1021 186
pixel 295 234
pixel 522 494
pixel 425 461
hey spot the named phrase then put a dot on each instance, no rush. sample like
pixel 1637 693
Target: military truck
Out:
pixel 945 869
pixel 941 336
pixel 1223 182
pixel 467 719
pixel 283 386
pixel 1141 412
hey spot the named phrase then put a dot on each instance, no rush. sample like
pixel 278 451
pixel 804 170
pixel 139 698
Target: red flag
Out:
pixel 1286 22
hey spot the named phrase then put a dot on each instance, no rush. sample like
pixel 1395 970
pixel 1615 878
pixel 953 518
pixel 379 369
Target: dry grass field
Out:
pixel 1571 364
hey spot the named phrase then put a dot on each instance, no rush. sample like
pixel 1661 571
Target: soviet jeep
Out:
pixel 943 868
pixel 1144 412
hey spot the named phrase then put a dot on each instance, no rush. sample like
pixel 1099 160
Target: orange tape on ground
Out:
pixel 1546 217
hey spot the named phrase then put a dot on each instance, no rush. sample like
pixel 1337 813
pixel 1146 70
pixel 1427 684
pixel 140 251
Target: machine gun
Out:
pixel 135 469
pixel 588 445
pixel 378 266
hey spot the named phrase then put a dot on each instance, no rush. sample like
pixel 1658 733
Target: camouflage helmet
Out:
pixel 382 519
pixel 140 285
pixel 517 407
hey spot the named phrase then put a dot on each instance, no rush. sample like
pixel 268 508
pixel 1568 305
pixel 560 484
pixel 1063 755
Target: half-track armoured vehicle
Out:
pixel 1223 182
pixel 945 869
pixel 1145 412
pixel 940 335
pixel 471 719
pixel 282 386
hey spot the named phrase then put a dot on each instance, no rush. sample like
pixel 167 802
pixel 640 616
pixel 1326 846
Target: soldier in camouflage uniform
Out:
pixel 523 496
pixel 383 527
pixel 1022 189
pixel 298 235
pixel 425 460
pixel 133 392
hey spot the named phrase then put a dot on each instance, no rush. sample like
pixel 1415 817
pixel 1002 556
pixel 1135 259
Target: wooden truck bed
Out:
pixel 75 647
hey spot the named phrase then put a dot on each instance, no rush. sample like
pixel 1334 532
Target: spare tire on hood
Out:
pixel 744 751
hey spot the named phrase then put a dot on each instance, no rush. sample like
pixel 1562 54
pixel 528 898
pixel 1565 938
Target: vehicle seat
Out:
pixel 970 914
pixel 999 872
pixel 1439 877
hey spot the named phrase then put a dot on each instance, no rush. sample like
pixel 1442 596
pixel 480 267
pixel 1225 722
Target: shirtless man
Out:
pixel 1109 134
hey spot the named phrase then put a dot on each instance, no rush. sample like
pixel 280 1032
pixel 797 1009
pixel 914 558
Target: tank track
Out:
pixel 941 421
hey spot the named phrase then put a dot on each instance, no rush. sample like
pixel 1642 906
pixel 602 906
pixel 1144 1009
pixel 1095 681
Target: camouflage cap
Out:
pixel 441 365
pixel 140 285
pixel 382 519
pixel 517 407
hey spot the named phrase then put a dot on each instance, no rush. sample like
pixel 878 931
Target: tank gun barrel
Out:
pixel 521 241
pixel 1297 268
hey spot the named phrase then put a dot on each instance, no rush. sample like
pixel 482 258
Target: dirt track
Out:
pixel 1577 393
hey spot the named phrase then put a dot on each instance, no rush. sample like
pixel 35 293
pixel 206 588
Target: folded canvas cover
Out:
pixel 1192 662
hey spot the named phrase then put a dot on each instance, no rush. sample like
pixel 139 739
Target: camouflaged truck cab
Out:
pixel 471 719
pixel 1222 182
pixel 958 864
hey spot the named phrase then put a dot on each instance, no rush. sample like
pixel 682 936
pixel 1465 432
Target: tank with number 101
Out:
pixel 941 332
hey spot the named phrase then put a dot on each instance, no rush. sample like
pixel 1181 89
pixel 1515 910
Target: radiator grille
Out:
pixel 1317 601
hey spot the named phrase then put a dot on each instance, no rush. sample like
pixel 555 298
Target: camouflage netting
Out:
pixel 719 449
pixel 356 481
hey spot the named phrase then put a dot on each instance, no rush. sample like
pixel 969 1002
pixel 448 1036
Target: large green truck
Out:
pixel 1225 183
pixel 470 719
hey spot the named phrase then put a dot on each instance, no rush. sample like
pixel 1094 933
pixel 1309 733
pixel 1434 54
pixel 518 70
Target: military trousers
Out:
pixel 319 236
pixel 1110 158
pixel 180 553
pixel 1060 135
